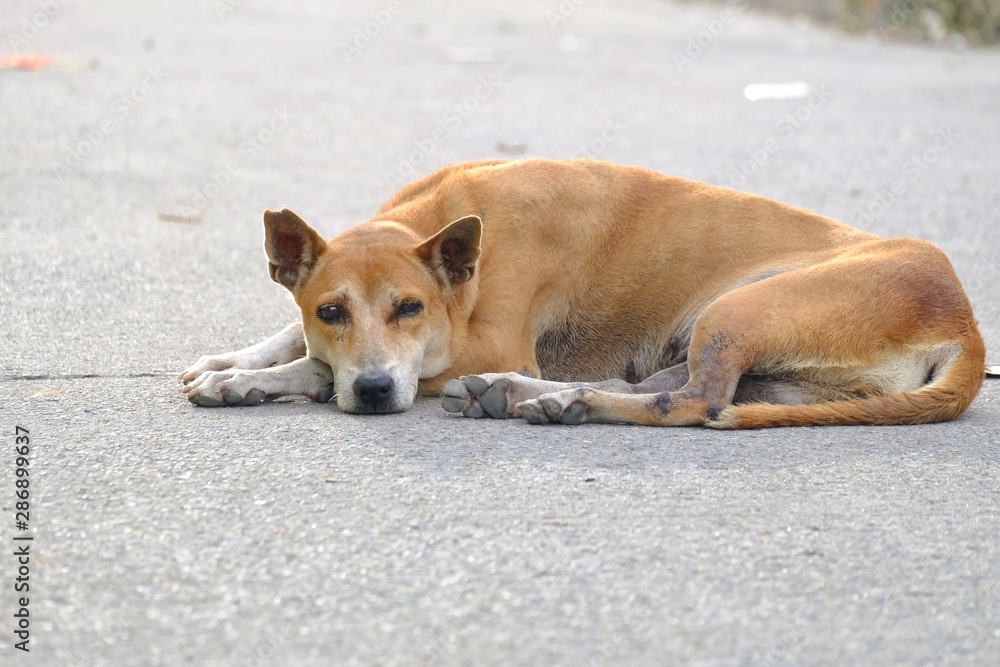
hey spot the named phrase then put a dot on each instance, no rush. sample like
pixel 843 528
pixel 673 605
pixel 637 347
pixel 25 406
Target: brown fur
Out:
pixel 587 271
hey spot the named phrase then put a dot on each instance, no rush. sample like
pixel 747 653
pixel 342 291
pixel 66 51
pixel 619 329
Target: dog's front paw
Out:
pixel 218 388
pixel 561 407
pixel 208 364
pixel 477 396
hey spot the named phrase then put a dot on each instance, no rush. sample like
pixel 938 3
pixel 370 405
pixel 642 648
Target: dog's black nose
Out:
pixel 373 388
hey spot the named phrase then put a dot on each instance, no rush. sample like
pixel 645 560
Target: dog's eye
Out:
pixel 409 309
pixel 330 313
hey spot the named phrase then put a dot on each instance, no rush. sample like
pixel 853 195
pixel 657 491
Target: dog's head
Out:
pixel 379 304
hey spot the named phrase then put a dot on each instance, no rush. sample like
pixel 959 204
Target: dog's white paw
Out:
pixel 478 396
pixel 214 389
pixel 561 407
pixel 210 363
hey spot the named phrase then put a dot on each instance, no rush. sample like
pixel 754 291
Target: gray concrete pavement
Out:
pixel 132 176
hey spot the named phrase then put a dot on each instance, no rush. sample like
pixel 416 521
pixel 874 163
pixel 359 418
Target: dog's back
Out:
pixel 610 266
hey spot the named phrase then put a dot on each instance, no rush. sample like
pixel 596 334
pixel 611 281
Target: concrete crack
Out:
pixel 88 376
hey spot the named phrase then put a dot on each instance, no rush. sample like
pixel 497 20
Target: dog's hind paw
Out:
pixel 479 396
pixel 532 412
pixel 456 398
pixel 562 407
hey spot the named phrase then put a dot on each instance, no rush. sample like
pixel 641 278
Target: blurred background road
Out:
pixel 134 166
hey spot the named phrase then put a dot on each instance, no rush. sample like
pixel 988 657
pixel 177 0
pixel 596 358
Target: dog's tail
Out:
pixel 949 392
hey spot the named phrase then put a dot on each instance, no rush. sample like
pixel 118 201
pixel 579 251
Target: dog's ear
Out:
pixel 292 247
pixel 452 253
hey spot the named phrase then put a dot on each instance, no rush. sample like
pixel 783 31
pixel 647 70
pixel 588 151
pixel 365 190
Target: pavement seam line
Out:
pixel 87 376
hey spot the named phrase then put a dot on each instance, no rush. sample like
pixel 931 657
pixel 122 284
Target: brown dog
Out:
pixel 659 301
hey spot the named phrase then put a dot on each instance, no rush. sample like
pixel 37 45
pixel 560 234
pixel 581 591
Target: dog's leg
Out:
pixel 499 395
pixel 284 347
pixel 304 377
pixel 687 394
pixel 879 336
